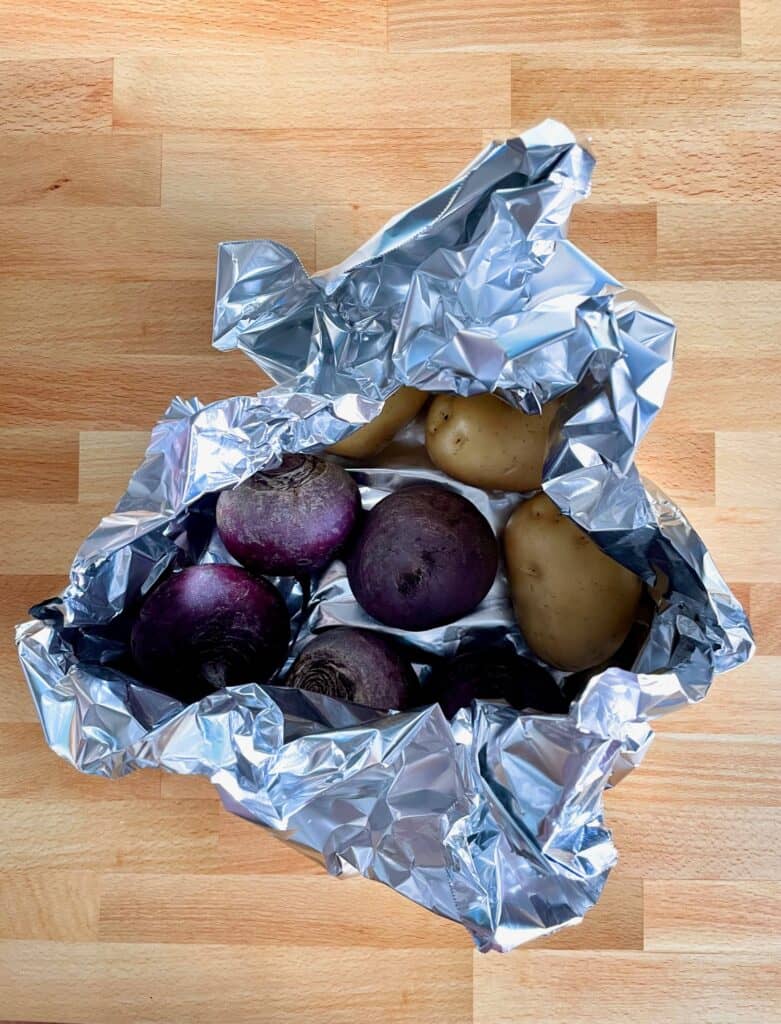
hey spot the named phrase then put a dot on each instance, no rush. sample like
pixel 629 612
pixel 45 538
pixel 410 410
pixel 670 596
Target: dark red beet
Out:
pixel 490 675
pixel 425 557
pixel 356 665
pixel 210 626
pixel 290 520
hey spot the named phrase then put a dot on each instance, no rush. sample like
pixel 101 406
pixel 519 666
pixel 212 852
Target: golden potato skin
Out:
pixel 573 603
pixel 483 441
pixel 402 406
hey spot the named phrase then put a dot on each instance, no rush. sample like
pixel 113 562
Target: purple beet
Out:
pixel 425 557
pixel 356 665
pixel 491 675
pixel 291 520
pixel 210 626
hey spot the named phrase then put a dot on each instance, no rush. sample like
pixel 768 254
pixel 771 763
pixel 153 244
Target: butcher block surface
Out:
pixel 134 136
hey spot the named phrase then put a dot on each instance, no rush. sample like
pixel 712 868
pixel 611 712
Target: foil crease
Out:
pixel 495 820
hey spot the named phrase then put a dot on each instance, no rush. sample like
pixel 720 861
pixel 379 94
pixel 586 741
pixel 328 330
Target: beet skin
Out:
pixel 356 665
pixel 289 521
pixel 425 557
pixel 210 626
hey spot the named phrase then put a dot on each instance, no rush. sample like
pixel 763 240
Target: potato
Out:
pixel 402 407
pixel 483 441
pixel 574 604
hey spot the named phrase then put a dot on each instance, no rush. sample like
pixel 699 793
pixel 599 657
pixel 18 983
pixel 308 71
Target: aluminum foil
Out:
pixel 496 819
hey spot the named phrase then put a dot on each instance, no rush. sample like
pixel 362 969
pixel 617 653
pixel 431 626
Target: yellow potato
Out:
pixel 574 604
pixel 483 441
pixel 402 407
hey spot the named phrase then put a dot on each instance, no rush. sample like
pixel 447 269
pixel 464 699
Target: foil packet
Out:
pixel 495 820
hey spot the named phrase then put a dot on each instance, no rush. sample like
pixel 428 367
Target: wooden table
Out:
pixel 134 137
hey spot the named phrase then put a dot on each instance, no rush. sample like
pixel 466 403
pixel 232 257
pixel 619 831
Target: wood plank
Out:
pixel 268 909
pixel 616 922
pixel 704 240
pixel 107 459
pixel 55 95
pixel 622 237
pixel 713 917
pixel 378 166
pixel 629 25
pixel 82 318
pixel 141 243
pixel 745 542
pixel 766 617
pixel 17 594
pixel 742 592
pixel 39 465
pixel 672 840
pixel 247 848
pixel 339 230
pixel 740 989
pixel 748 468
pixel 724 376
pixel 125 391
pixel 188 983
pixel 711 771
pixel 29 769
pixel 80 170
pixel 711 325
pixel 103 26
pixel 760 29
pixel 648 165
pixel 682 464
pixel 27 899
pixel 666 92
pixel 49 534
pixel 319 87
pixel 132 834
pixel 746 702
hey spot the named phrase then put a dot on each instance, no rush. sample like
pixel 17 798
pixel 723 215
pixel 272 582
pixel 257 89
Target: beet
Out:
pixel 210 626
pixel 425 557
pixel 491 675
pixel 291 520
pixel 356 665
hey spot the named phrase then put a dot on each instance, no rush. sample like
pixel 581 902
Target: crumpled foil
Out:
pixel 496 819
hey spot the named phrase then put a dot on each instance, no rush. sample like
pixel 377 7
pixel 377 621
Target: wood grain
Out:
pixel 185 983
pixel 281 911
pixel 629 25
pixel 291 167
pixel 712 917
pixel 668 92
pixel 718 165
pixel 188 92
pixel 107 459
pixel 139 243
pixel 760 29
pixel 125 391
pixel 121 317
pixel 134 136
pixel 17 594
pixel 39 464
pixel 766 601
pixel 69 170
pixel 80 27
pixel 55 95
pixel 739 989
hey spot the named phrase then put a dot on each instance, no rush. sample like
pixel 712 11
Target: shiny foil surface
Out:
pixel 496 819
